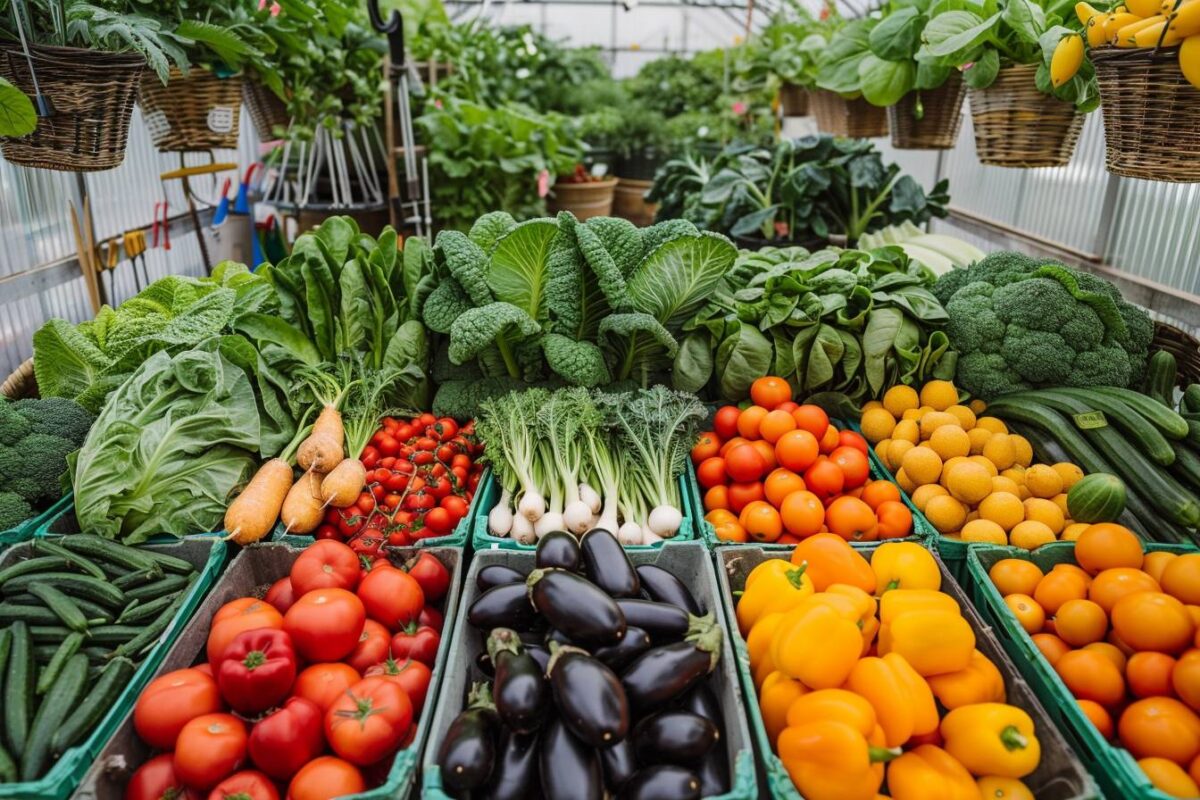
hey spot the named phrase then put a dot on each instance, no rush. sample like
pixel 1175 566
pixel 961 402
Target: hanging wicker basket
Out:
pixel 1018 126
pixel 940 117
pixel 1183 346
pixel 794 100
pixel 1151 115
pixel 584 200
pixel 20 383
pixel 92 94
pixel 838 116
pixel 196 112
pixel 266 110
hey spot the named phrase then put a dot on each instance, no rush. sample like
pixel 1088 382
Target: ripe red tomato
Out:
pixel 156 780
pixel 326 565
pixel 323 683
pixel 368 722
pixel 418 642
pixel 706 446
pixel 725 422
pixel 324 778
pixel 852 439
pixel 854 465
pixel 457 506
pixel 824 479
pixel 325 623
pixel 410 675
pixel 210 749
pixel 372 646
pixel 439 521
pixel 288 738
pixel 744 463
pixel 245 785
pixel 391 597
pixel 243 614
pixel 811 418
pixel 171 701
pixel 743 494
pixel 430 573
pixel 712 472
pixel 280 595
pixel 770 391
pixel 432 618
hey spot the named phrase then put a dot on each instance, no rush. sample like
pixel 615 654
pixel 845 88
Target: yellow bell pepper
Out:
pixel 775 585
pixel 992 739
pixel 830 760
pixel 928 772
pixel 993 788
pixel 838 705
pixel 777 695
pixel 758 642
pixel 864 607
pixel 901 698
pixel 980 682
pixel 816 644
pixel 934 642
pixel 899 601
pixel 904 565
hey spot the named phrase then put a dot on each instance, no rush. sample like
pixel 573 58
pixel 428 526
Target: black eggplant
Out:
pixel 569 769
pixel 535 635
pixel 515 776
pixel 663 621
pixel 505 606
pixel 608 565
pixel 674 737
pixel 558 550
pixel 519 691
pixel 664 673
pixel 663 782
pixel 575 606
pixel 555 635
pixel 619 764
pixel 494 575
pixel 468 752
pixel 703 701
pixel 713 773
pixel 635 642
pixel 589 697
pixel 540 654
pixel 484 665
pixel 664 587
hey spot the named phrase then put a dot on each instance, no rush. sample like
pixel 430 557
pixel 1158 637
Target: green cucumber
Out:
pixel 84 586
pixel 74 559
pixel 113 552
pixel 1193 437
pixel 168 585
pixel 8 767
pixel 62 606
pixel 1172 425
pixel 1162 372
pixel 69 647
pixel 58 704
pixel 152 631
pixel 1191 399
pixel 29 566
pixel 169 563
pixel 137 612
pixel 90 610
pixel 6 638
pixel 113 634
pixel 132 579
pixel 1187 466
pixel 31 615
pixel 1124 417
pixel 48 634
pixel 108 687
pixel 18 689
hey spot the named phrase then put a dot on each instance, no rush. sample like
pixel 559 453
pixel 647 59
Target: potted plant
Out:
pixel 582 192
pixel 837 102
pixel 1020 118
pixel 784 56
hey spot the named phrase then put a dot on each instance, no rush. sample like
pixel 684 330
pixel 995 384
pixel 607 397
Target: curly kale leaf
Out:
pixel 491 228
pixel 621 238
pixel 602 263
pixel 467 262
pixel 577 363
pixel 446 303
pixel 501 324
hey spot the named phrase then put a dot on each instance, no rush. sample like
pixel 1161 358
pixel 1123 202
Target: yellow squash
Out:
pixel 1186 21
pixel 1085 12
pixel 1095 30
pixel 1189 59
pixel 1067 59
pixel 992 739
pixel 1143 8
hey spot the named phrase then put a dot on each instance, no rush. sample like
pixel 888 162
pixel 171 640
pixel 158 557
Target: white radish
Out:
pixel 608 516
pixel 532 505
pixel 664 521
pixel 577 517
pixel 252 515
pixel 342 487
pixel 500 518
pixel 303 509
pixel 629 533
pixel 522 530
pixel 550 521
pixel 650 537
pixel 591 497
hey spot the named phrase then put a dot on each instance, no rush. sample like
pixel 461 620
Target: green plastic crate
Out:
pixel 489 494
pixel 250 573
pixel 1059 776
pixel 1114 767
pixel 208 555
pixel 690 562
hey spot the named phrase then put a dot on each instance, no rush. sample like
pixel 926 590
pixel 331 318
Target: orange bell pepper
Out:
pixel 830 760
pixel 980 682
pixel 774 585
pixel 930 773
pixel 933 642
pixel 992 739
pixel 899 601
pixel 758 643
pixel 904 565
pixel 817 644
pixel 902 700
pixel 839 705
pixel 830 559
pixel 777 695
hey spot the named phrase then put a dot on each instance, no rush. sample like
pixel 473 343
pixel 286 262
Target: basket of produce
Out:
pixel 793 100
pixel 642 696
pixel 355 717
pixel 1131 711
pixel 928 119
pixel 199 111
pixel 582 194
pixel 963 693
pixel 92 94
pixel 267 111
pixel 85 622
pixel 838 116
pixel 1018 126
pixel 1183 347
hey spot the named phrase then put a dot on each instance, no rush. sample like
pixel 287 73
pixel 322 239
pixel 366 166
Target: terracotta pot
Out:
pixel 629 201
pixel 584 200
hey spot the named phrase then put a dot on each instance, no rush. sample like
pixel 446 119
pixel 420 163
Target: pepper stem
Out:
pixel 796 576
pixel 881 755
pixel 1013 739
pixel 255 658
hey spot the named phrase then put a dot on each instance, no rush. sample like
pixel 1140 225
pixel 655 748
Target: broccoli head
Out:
pixel 973 323
pixel 988 374
pixel 13 427
pixel 13 510
pixel 34 466
pixel 57 416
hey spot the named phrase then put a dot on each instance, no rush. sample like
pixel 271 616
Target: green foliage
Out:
pixel 13 510
pixel 785 51
pixel 17 117
pixel 34 466
pixel 53 415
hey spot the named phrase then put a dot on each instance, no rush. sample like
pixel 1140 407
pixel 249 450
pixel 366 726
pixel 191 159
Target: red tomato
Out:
pixel 171 701
pixel 245 785
pixel 368 722
pixel 243 614
pixel 788 406
pixel 326 565
pixel 725 422
pixel 419 642
pixel 392 597
pixel 210 749
pixel 439 521
pixel 325 778
pixel 430 573
pixel 457 506
pixel 156 780
pixel 744 463
pixel 712 472
pixel 852 439
pixel 370 456
pixel 770 391
pixel 811 418
pixel 410 675
pixel 288 738
pixel 323 683
pixel 824 479
pixel 706 446
pixel 399 538
pixel 445 428
pixel 280 595
pixel 325 624
pixel 372 646
pixel 854 465
pixel 432 618
pixel 742 494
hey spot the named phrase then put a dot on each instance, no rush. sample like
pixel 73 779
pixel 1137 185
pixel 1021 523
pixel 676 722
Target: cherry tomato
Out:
pixel 461 460
pixel 446 428
pixel 745 463
pixel 388 444
pixel 457 506
pixel 707 446
pixel 398 538
pixel 712 472
pixel 369 457
pixel 725 422
pixel 423 458
pixel 852 439
pixel 440 521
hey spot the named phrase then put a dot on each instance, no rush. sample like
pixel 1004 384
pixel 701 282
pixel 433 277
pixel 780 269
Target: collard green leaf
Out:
pixel 951 38
pixel 983 72
pixel 17 117
pixel 883 324
pixel 518 270
pixel 693 365
pixel 675 280
pixel 604 267
pixel 898 35
pixel 824 355
pixel 742 357
pixel 1026 19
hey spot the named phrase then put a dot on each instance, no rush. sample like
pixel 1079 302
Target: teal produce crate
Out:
pixel 29 527
pixel 688 561
pixel 1114 767
pixel 250 574
pixel 1059 776
pixel 207 555
pixel 489 494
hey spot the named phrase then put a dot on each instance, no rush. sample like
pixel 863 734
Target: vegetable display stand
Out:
pixel 793 100
pixel 690 563
pixel 930 119
pixel 629 201
pixel 1183 346
pixel 207 556
pixel 250 573
pixel 1018 126
pixel 1113 767
pixel 92 94
pixel 1059 776
pixel 266 110
pixel 584 200
pixel 488 494
pixel 196 112
pixel 838 116
pixel 1151 115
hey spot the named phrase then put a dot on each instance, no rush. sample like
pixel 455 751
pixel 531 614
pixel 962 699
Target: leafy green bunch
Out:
pixel 786 51
pixel 673 84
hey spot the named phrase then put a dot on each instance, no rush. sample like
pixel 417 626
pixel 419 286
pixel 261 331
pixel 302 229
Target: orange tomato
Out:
pixel 1185 678
pixel 788 406
pixel 1091 676
pixel 876 492
pixel 1194 769
pixel 1110 651
pixel 802 513
pixel 761 521
pixel 1153 564
pixel 729 444
pixel 742 494
pixel 853 463
pixel 749 420
pixel 1106 545
pixel 1160 727
pixel 1169 778
pixel 1029 614
pixel 716 497
pixel 1153 621
pixel 720 516
pixel 811 418
pixel 852 439
pixel 824 479
pixel 1075 569
pixel 797 450
pixel 706 446
pixel 770 391
pixel 829 440
pixel 895 520
pixel 852 519
pixel 725 421
pixel 780 483
pixel 1181 579
pixel 775 424
pixel 731 532
pixel 1080 622
pixel 711 472
pixel 1098 717
pixel 1058 587
pixel 1149 674
pixel 1112 584
pixel 1015 576
pixel 744 463
pixel 1051 646
pixel 767 452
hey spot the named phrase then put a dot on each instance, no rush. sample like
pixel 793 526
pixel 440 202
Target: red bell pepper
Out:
pixel 257 670
pixel 285 740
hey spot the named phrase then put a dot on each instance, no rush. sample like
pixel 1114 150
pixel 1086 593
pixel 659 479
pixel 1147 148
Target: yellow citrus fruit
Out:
pixel 972 516
pixel 978 437
pixel 939 394
pixel 1043 481
pixel 895 453
pixel 881 449
pixel 867 406
pixel 977 406
pixel 950 464
pixel 877 424
pixel 1072 532
pixel 913 413
pixel 982 530
pixel 899 399
pixel 1069 473
pixel 908 430
pixel 1023 449
pixel 1014 474
pixel 991 424
pixel 1002 508
pixel 964 415
pixel 1000 451
pixel 934 420
pixel 945 513
pixel 1045 512
pixel 923 494
pixel 1030 534
pixel 985 463
pixel 1003 484
pixel 922 465
pixel 949 441
pixel 1060 500
pixel 969 483
pixel 902 480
